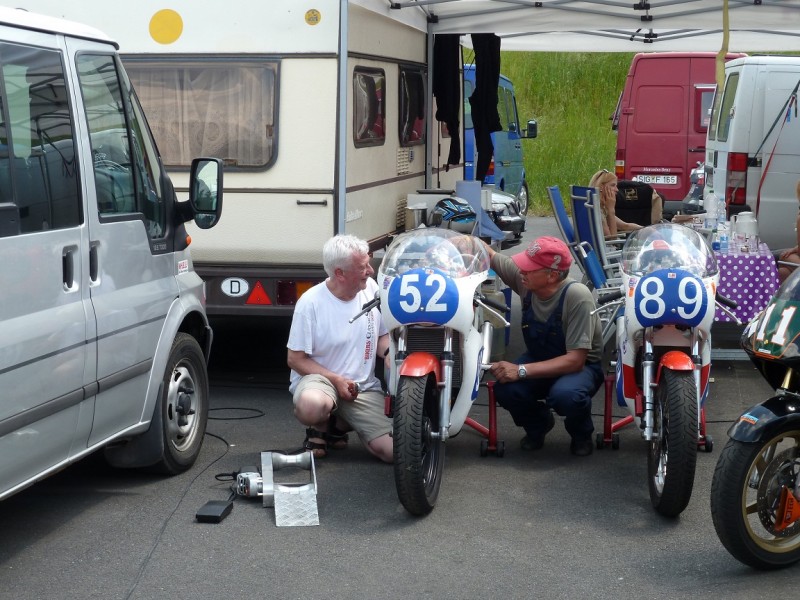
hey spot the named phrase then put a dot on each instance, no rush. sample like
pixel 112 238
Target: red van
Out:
pixel 662 117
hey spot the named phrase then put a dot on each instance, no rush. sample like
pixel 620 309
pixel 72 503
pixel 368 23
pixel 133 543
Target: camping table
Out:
pixel 750 279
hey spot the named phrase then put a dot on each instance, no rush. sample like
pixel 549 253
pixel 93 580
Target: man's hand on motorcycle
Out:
pixel 505 371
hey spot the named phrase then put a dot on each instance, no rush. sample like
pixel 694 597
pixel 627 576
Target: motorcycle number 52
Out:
pixel 670 296
pixel 423 296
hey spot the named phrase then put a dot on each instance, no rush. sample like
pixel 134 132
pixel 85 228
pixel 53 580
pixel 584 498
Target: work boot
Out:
pixel 536 442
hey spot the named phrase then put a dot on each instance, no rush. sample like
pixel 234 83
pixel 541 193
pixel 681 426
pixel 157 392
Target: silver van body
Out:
pixel 103 332
pixel 753 144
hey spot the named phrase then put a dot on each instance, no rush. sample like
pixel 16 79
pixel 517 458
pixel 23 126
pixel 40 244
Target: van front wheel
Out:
pixel 183 405
pixel 522 200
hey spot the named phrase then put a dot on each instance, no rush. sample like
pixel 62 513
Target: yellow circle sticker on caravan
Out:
pixel 313 17
pixel 166 26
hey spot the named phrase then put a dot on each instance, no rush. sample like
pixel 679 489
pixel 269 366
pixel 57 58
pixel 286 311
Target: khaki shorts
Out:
pixel 365 414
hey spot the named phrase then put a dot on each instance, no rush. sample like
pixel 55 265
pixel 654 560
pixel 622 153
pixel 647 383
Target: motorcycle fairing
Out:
pixel 429 296
pixel 759 423
pixel 671 297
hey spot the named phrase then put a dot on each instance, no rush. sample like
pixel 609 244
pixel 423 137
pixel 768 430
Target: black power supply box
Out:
pixel 214 511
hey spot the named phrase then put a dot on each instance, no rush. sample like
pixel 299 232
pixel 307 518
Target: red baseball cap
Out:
pixel 545 252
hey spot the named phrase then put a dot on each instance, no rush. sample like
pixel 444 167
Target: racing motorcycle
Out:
pixel 441 329
pixel 755 492
pixel 664 311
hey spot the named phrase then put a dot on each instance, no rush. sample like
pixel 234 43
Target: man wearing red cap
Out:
pixel 561 368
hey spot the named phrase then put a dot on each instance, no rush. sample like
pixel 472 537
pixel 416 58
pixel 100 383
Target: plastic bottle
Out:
pixel 723 238
pixel 715 246
pixel 711 206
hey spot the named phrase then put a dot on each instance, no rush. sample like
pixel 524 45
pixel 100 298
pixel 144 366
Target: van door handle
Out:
pixel 68 268
pixel 700 149
pixel 93 267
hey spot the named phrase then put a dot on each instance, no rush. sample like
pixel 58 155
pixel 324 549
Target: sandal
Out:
pixel 336 438
pixel 318 449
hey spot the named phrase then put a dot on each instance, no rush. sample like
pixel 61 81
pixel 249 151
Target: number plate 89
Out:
pixel 670 297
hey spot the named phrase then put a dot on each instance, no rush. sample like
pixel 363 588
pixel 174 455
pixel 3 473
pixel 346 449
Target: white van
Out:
pixel 104 336
pixel 753 145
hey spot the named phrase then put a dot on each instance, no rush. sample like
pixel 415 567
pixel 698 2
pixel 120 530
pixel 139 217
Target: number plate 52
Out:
pixel 670 296
pixel 423 296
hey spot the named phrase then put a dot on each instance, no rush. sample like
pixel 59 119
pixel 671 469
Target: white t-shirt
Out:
pixel 320 328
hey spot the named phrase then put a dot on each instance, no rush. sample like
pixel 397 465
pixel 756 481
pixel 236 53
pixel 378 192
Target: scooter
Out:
pixel 664 311
pixel 755 492
pixel 441 330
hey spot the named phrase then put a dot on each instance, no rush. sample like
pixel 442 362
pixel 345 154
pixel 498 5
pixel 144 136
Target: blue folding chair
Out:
pixel 565 225
pixel 587 218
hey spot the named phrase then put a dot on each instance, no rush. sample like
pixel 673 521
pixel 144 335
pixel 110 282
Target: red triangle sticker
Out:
pixel 258 295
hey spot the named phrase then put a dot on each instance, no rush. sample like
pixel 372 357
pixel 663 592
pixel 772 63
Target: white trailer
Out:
pixel 317 109
pixel 314 106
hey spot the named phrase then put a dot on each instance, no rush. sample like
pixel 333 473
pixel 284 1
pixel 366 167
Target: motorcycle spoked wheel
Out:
pixel 418 458
pixel 672 455
pixel 745 499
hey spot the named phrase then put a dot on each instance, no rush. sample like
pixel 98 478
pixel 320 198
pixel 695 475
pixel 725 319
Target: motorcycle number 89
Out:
pixel 670 296
pixel 423 296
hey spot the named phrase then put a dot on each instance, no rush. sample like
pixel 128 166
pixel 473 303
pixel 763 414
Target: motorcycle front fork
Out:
pixel 649 383
pixel 447 361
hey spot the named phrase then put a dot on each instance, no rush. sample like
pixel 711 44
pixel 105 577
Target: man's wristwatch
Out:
pixel 522 372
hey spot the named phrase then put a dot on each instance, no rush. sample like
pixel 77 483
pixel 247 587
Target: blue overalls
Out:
pixel 568 395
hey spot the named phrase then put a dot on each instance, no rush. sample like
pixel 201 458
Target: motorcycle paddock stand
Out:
pixel 490 443
pixel 610 437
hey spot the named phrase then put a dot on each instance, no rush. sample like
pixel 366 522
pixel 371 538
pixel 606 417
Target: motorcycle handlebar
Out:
pixel 495 305
pixel 726 301
pixel 610 296
pixel 368 306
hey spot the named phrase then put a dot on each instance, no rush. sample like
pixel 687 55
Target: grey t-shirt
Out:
pixel 582 329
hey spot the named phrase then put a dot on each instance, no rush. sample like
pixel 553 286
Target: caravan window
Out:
pixel 369 110
pixel 412 106
pixel 38 170
pixel 202 107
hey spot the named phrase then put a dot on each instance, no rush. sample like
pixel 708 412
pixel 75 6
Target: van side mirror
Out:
pixel 205 191
pixel 532 131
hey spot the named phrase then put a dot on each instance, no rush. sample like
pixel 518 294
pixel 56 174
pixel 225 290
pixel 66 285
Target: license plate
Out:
pixel 658 179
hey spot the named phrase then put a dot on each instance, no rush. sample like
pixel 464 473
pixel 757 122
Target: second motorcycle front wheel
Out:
pixel 672 454
pixel 418 454
pixel 752 498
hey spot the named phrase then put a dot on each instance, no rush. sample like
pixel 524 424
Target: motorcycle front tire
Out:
pixel 745 499
pixel 418 457
pixel 672 455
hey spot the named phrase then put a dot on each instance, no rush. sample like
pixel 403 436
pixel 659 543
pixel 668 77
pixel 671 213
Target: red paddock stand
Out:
pixel 610 437
pixel 490 444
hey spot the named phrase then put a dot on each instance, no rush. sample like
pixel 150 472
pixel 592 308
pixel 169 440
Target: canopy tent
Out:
pixel 608 25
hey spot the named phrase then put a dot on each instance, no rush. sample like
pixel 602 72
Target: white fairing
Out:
pixel 670 277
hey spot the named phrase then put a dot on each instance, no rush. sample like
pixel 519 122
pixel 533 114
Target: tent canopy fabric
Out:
pixel 608 25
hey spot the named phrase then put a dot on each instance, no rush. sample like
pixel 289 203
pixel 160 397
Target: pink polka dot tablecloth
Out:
pixel 750 279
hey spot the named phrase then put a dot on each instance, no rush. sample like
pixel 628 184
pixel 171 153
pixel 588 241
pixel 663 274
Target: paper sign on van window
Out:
pixel 183 266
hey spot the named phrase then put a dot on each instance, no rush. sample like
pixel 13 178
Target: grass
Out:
pixel 571 95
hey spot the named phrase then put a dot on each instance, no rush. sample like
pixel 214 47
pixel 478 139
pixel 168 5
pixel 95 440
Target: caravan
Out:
pixel 318 110
pixel 753 148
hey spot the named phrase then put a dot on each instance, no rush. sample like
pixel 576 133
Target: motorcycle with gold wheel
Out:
pixel 755 492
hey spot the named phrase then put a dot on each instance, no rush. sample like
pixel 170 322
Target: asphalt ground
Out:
pixel 539 524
